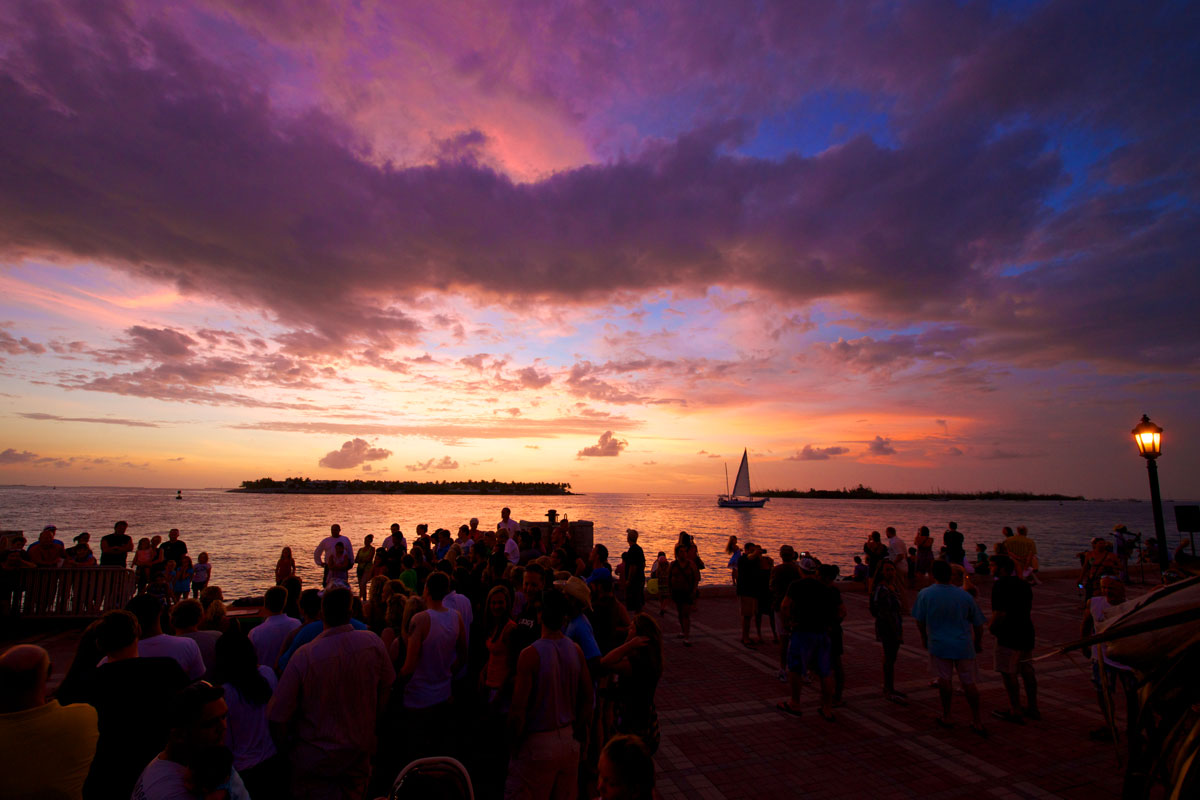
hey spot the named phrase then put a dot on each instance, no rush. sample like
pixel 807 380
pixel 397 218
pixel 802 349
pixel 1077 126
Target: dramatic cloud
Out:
pixel 608 445
pixel 810 453
pixel 15 347
pixel 881 447
pixel 269 208
pixel 530 378
pixel 131 423
pixel 351 454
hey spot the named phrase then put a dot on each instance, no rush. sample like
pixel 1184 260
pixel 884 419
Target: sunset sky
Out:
pixel 915 245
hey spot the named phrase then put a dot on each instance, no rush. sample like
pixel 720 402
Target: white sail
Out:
pixel 741 486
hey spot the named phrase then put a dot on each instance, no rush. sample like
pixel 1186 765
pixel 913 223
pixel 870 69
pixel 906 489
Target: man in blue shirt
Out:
pixel 579 627
pixel 951 627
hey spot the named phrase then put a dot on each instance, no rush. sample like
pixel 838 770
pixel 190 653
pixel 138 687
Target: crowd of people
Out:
pixel 532 660
pixel 504 649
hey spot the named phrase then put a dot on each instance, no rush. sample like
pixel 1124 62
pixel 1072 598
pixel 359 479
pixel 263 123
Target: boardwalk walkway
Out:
pixel 723 738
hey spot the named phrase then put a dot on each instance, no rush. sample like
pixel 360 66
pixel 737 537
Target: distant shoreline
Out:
pixel 309 486
pixel 861 492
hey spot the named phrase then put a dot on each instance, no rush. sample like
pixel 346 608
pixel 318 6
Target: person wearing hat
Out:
pixel 579 627
pixel 194 763
pixel 47 551
pixel 809 611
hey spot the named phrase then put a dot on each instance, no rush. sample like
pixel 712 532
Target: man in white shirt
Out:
pixel 268 636
pixel 327 702
pixel 507 523
pixel 328 546
pixel 512 551
pixel 154 642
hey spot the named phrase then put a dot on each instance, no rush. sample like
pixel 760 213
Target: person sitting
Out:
pixel 45 748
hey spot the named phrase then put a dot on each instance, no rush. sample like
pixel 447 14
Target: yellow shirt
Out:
pixel 45 752
pixel 1020 547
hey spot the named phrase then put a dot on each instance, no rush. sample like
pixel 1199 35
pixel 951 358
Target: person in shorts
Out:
pixel 809 611
pixel 1012 625
pixel 951 628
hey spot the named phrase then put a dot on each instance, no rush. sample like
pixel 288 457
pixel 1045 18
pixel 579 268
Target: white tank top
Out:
pixel 430 683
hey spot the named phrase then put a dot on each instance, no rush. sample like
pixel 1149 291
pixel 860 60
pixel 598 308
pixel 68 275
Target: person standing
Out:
pixel 174 549
pixel 875 551
pixel 328 547
pixel 127 741
pixel 897 552
pixel 747 589
pixel 47 551
pixel 116 546
pixel 327 702
pixel 437 647
pixel 45 748
pixel 268 636
pixel 953 540
pixel 809 611
pixel 634 560
pixel 551 711
pixel 1012 625
pixel 153 642
pixel 951 628
pixel 781 578
pixel 924 544
pixel 1023 551
pixel 198 722
pixel 887 607
pixel 506 523
pixel 683 580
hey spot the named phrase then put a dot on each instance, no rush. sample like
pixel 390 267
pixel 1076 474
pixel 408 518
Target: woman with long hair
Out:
pixel 285 567
pixel 924 544
pixel 215 618
pixel 362 564
pixel 496 678
pixel 248 688
pixel 143 558
pixel 639 664
pixel 887 607
pixel 375 609
pixel 733 550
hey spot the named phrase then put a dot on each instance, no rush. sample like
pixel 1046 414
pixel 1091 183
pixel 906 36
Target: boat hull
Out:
pixel 727 502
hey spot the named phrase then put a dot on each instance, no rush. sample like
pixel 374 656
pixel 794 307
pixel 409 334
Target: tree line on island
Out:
pixel 358 486
pixel 861 492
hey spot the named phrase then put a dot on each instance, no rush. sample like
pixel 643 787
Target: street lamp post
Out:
pixel 1148 438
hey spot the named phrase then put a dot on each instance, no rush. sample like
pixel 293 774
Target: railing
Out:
pixel 65 592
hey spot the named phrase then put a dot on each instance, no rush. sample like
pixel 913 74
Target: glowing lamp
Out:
pixel 1148 438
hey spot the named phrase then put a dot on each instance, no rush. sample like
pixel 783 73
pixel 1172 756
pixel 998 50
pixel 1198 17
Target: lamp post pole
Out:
pixel 1160 531
pixel 1148 438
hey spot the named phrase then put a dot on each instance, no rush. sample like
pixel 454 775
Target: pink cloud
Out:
pixel 351 454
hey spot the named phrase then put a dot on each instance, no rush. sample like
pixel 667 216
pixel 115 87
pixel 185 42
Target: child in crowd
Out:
pixel 339 567
pixel 983 565
pixel 658 572
pixel 201 574
pixel 861 572
pixel 183 578
pixel 159 588
pixel 171 572
pixel 143 559
pixel 409 576
pixel 285 567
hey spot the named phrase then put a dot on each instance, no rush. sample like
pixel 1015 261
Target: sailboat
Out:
pixel 740 497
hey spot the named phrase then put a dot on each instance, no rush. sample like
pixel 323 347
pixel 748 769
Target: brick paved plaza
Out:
pixel 723 738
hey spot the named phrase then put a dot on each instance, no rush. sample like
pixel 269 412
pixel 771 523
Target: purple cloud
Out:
pixel 351 454
pixel 445 462
pixel 608 445
pixel 810 453
pixel 11 456
pixel 881 447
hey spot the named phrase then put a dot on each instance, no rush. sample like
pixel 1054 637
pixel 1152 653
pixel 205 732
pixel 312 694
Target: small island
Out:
pixel 310 486
pixel 861 492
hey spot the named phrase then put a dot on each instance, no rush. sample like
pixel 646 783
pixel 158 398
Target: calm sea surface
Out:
pixel 243 533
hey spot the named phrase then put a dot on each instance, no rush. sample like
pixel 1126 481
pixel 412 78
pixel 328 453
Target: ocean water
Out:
pixel 243 533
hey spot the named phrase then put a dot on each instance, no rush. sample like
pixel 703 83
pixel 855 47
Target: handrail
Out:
pixel 65 592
